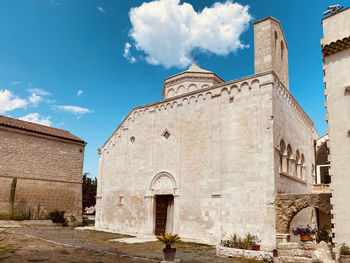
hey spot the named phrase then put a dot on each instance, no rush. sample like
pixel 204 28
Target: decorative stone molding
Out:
pixel 286 95
pixel 243 253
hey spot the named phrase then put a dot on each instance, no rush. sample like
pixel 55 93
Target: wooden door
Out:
pixel 162 202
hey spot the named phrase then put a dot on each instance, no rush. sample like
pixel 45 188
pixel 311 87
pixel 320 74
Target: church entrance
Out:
pixel 164 214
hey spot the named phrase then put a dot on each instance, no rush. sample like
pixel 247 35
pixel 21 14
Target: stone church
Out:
pixel 209 159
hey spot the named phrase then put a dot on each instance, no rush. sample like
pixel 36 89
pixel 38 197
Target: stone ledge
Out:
pixel 293 177
pixel 243 253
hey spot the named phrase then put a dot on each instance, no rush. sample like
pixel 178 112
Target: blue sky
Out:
pixel 74 64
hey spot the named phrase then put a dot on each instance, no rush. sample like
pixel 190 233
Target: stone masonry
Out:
pixel 218 152
pixel 48 168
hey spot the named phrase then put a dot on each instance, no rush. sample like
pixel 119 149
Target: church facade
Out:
pixel 208 160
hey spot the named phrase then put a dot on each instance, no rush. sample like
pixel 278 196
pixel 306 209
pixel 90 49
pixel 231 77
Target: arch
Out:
pixel 205 86
pixel 224 91
pixel 244 85
pixel 192 87
pixel 200 97
pixel 181 89
pixel 234 87
pixel 282 50
pixel 255 84
pixel 171 93
pixel 163 183
pixel 288 205
pixel 192 99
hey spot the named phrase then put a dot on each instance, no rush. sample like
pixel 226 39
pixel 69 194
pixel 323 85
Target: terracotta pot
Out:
pixel 256 247
pixel 236 247
pixel 344 259
pixel 169 254
pixel 305 237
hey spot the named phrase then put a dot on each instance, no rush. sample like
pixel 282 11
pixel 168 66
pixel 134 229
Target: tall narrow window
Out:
pixel 282 50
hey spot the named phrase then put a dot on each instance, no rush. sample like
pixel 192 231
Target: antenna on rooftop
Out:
pixel 332 9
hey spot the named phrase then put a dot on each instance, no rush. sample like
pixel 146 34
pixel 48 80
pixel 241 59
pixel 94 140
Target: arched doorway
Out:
pixel 163 188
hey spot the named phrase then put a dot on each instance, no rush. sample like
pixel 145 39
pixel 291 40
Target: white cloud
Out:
pixel 16 82
pixel 9 101
pixel 127 54
pixel 99 8
pixel 79 92
pixel 73 109
pixel 40 92
pixel 35 117
pixel 168 31
pixel 35 99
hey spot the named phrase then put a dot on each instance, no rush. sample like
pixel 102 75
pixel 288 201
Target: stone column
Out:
pixel 176 225
pixel 284 163
pixel 149 206
pixel 298 170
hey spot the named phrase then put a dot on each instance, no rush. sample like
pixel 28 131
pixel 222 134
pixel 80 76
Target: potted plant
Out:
pixel 256 245
pixel 235 240
pixel 168 240
pixel 344 254
pixel 304 232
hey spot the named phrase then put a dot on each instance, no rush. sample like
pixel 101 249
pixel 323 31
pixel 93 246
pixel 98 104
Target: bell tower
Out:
pixel 270 49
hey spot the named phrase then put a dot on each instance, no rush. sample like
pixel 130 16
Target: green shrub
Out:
pixel 245 243
pixel 18 217
pixel 58 217
pixel 344 250
pixel 323 234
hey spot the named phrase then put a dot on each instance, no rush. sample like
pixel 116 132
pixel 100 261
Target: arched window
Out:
pixel 282 150
pixel 282 50
pixel 276 38
pixel 289 159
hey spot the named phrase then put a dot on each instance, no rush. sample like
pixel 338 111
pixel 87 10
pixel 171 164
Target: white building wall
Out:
pixel 337 77
pixel 220 154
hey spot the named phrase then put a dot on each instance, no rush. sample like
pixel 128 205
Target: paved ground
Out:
pixel 58 244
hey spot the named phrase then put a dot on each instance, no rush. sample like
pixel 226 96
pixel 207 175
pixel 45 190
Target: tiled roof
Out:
pixel 38 128
pixel 336 46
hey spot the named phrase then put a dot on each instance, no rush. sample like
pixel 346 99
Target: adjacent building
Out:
pixel 44 167
pixel 336 67
pixel 209 159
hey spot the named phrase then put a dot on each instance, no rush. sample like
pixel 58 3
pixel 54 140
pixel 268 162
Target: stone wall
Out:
pixel 48 170
pixel 336 28
pixel 220 154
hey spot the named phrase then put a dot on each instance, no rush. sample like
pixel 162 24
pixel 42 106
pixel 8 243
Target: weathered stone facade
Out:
pixel 336 63
pixel 216 152
pixel 48 170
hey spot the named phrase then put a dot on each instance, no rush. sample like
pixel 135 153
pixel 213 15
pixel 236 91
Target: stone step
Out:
pixel 296 253
pixel 300 245
pixel 285 259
